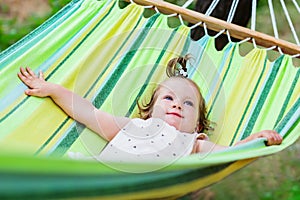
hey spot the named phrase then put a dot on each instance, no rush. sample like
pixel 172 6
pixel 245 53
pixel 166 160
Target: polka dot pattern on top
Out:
pixel 148 141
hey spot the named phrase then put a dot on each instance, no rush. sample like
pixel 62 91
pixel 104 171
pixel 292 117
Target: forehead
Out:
pixel 181 86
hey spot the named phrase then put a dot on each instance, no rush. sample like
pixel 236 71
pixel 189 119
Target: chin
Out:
pixel 173 123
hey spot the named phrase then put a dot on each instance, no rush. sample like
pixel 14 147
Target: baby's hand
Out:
pixel 273 138
pixel 37 86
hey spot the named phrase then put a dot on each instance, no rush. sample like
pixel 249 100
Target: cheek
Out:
pixel 194 116
pixel 157 111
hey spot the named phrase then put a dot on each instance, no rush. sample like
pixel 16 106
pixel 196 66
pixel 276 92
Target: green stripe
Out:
pixel 14 109
pixel 97 104
pixel 73 130
pixel 199 57
pixel 108 87
pixel 119 70
pixel 47 78
pixel 224 77
pixel 262 99
pixel 43 186
pixel 249 103
pixel 52 136
pixel 288 116
pixel 288 97
pixel 186 45
pixel 146 83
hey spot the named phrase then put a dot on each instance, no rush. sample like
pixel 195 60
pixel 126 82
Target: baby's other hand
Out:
pixel 273 138
pixel 37 86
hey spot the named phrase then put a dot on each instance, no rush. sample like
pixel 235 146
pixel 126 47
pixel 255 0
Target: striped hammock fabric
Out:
pixel 113 56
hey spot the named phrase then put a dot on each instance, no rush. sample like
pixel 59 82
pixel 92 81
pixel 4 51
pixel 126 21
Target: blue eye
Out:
pixel 189 103
pixel 168 98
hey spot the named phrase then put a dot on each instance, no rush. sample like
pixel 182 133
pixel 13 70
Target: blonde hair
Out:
pixel 145 109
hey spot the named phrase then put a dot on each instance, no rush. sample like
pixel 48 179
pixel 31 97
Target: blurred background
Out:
pixel 268 178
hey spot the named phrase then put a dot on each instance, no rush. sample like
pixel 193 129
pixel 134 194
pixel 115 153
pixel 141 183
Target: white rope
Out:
pixel 195 25
pixel 212 7
pixel 296 55
pixel 148 6
pixel 253 22
pixel 280 51
pixel 271 48
pixel 244 40
pixel 267 49
pixel 187 4
pixel 253 15
pixel 228 36
pixel 205 28
pixel 232 11
pixel 254 43
pixel 296 5
pixel 156 10
pixel 220 32
pixel 273 19
pixel 172 15
pixel 290 22
pixel 181 20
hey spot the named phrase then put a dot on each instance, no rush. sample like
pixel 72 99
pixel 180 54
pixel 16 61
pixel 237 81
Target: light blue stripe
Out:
pixel 228 53
pixel 197 49
pixel 19 89
pixel 295 117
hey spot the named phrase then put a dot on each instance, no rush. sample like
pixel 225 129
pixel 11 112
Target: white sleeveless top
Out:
pixel 148 141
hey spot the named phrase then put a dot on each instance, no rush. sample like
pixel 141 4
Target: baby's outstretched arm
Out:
pixel 273 138
pixel 80 109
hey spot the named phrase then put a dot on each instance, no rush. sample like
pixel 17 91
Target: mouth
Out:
pixel 175 114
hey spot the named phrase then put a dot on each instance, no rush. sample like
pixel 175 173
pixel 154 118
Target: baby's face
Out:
pixel 177 104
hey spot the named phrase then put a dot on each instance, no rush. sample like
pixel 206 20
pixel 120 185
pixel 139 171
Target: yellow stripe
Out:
pixel 178 190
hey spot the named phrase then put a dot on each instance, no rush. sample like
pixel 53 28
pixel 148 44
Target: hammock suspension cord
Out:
pixel 211 7
pixel 290 22
pixel 232 11
pixel 296 5
pixel 242 33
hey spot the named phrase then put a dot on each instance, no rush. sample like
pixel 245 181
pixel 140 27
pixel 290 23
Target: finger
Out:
pixel 274 140
pixel 30 72
pixel 23 76
pixel 33 92
pixel 20 75
pixel 24 72
pixel 41 75
pixel 269 139
pixel 278 139
pixel 24 79
pixel 268 142
pixel 28 92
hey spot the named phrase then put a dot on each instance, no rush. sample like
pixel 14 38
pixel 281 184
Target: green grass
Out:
pixel 268 178
pixel 11 30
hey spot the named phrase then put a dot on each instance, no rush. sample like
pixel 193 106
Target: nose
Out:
pixel 177 105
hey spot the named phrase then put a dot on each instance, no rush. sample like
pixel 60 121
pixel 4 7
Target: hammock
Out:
pixel 112 56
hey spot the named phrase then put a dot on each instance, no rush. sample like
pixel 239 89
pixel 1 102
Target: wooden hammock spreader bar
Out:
pixel 215 24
